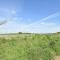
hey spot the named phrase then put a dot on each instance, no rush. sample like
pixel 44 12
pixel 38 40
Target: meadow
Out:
pixel 29 46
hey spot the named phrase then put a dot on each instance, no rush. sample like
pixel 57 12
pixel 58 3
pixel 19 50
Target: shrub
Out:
pixel 20 32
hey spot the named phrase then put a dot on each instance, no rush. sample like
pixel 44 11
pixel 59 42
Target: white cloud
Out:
pixel 13 12
pixel 48 23
pixel 42 26
pixel 47 18
pixel 12 26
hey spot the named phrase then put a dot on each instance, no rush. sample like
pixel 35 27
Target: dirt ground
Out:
pixel 57 57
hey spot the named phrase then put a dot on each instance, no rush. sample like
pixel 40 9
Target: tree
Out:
pixel 20 32
pixel 58 32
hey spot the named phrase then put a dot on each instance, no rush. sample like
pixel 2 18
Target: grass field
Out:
pixel 29 46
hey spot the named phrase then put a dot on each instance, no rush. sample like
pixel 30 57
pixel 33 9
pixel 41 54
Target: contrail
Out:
pixel 3 22
pixel 34 26
pixel 46 18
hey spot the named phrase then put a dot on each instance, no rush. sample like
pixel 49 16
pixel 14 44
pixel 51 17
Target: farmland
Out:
pixel 29 46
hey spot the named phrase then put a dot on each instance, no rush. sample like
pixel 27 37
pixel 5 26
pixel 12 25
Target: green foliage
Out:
pixel 29 46
pixel 20 32
pixel 58 32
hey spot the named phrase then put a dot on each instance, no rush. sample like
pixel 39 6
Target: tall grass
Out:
pixel 29 47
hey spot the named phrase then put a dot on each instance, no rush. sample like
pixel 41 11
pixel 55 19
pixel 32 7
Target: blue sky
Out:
pixel 39 16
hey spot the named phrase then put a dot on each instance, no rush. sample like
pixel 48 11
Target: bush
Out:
pixel 20 32
pixel 58 32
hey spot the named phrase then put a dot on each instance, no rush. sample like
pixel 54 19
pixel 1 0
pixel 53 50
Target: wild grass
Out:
pixel 29 46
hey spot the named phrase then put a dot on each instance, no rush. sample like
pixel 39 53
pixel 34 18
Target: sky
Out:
pixel 36 16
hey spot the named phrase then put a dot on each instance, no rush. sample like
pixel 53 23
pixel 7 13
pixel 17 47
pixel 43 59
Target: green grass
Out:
pixel 29 46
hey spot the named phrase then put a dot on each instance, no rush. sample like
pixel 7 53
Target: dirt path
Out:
pixel 57 58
